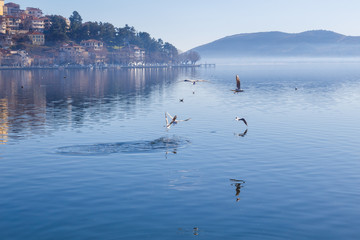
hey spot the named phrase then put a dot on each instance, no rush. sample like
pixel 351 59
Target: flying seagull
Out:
pixel 238 89
pixel 241 119
pixel 173 120
pixel 194 81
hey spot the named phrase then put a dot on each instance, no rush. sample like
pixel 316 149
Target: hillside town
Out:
pixel 28 38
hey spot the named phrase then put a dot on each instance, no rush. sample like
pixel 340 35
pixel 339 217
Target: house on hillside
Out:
pixel 34 12
pixel 12 24
pixel 37 38
pixel 72 53
pixel 92 44
pixel 6 41
pixel 12 9
pixel 16 59
pixel 37 24
pixel 47 23
pixel 2 25
pixel 96 50
pixel 1 7
pixel 130 54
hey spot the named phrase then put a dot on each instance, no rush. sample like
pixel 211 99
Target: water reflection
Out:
pixel 161 144
pixel 3 121
pixel 196 231
pixel 243 134
pixel 32 99
pixel 238 185
pixel 173 151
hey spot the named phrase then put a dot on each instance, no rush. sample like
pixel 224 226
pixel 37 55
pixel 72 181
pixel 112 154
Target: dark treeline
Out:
pixel 113 37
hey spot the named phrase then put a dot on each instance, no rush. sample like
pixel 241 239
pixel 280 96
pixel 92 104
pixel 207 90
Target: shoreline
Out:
pixel 99 67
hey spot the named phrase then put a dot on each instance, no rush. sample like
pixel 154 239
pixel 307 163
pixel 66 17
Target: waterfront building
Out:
pixel 72 53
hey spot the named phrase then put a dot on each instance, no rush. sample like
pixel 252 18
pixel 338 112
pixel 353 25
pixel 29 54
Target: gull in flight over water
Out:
pixel 238 88
pixel 173 120
pixel 241 119
pixel 194 81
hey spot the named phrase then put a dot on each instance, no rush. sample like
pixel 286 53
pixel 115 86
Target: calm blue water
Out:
pixel 84 154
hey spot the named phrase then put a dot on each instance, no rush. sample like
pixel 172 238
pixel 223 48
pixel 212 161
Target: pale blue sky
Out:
pixel 190 23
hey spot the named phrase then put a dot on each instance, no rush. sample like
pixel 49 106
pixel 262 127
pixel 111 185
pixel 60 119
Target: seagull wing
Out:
pixel 170 116
pixel 183 120
pixel 237 82
pixel 166 119
pixel 243 119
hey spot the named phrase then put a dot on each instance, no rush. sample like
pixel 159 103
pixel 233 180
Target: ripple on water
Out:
pixel 131 147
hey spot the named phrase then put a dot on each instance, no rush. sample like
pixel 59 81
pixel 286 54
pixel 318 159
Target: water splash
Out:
pixel 161 144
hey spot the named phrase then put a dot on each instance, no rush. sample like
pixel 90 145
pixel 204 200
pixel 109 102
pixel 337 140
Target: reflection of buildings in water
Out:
pixel 37 98
pixel 23 103
pixel 138 76
pixel 238 185
pixel 3 121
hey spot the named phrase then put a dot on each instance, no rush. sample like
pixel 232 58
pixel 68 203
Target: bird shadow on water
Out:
pixel 165 144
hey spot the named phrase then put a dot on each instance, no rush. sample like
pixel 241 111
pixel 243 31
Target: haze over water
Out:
pixel 84 154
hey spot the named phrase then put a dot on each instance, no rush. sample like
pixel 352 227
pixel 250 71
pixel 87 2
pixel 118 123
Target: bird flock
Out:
pixel 174 120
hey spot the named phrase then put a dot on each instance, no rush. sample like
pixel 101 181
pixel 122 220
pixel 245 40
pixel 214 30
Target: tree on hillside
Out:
pixel 75 26
pixel 57 31
pixel 170 51
pixel 125 35
pixel 107 33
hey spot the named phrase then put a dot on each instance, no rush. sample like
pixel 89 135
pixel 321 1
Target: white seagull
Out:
pixel 238 88
pixel 194 81
pixel 173 120
pixel 241 119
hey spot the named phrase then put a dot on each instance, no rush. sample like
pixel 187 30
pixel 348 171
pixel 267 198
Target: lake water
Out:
pixel 84 154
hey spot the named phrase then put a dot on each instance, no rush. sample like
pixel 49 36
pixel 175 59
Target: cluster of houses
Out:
pixel 30 24
pixel 15 21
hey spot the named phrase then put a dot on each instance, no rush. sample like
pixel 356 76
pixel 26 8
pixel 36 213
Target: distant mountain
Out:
pixel 317 43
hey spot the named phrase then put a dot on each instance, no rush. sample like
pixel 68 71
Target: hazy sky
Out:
pixel 190 23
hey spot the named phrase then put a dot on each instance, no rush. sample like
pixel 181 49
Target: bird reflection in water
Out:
pixel 196 231
pixel 241 134
pixel 173 151
pixel 238 185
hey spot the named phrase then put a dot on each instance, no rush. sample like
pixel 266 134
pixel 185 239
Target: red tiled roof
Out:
pixel 11 4
pixel 90 40
pixel 36 33
pixel 33 9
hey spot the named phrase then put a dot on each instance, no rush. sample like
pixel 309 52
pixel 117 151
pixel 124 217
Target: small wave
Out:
pixel 160 144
